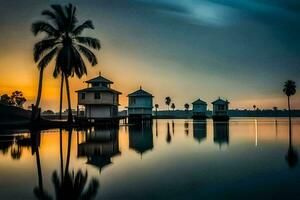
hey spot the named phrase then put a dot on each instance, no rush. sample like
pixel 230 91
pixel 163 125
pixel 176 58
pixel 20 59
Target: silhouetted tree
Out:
pixel 156 107
pixel 168 101
pixel 173 106
pixel 186 106
pixel 254 107
pixel 18 98
pixel 289 90
pixel 73 186
pixel 63 40
pixel 5 99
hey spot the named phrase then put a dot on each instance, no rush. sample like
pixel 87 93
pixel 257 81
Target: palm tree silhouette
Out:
pixel 168 101
pixel 186 106
pixel 156 107
pixel 289 90
pixel 63 40
pixel 173 106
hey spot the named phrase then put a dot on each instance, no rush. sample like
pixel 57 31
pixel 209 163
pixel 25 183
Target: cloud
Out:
pixel 220 13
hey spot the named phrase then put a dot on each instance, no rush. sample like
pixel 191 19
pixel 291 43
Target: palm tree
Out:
pixel 156 107
pixel 289 90
pixel 173 106
pixel 64 42
pixel 186 106
pixel 168 101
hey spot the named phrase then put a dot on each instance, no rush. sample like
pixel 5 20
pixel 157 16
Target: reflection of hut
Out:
pixel 220 110
pixel 199 130
pixel 99 147
pixel 5 143
pixel 141 138
pixel 221 133
pixel 140 104
pixel 199 109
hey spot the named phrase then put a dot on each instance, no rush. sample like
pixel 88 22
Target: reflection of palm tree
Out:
pixel 69 150
pixel 156 127
pixel 72 186
pixel 169 138
pixel 291 157
pixel 35 143
pixel 63 40
pixel 186 126
pixel 173 127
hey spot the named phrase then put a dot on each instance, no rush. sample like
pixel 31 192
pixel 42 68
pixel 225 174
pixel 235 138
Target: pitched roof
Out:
pixel 99 89
pixel 220 101
pixel 140 93
pixel 99 79
pixel 200 102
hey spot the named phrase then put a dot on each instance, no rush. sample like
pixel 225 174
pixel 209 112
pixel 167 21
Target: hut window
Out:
pixel 97 95
pixel 221 107
pixel 132 100
pixel 82 95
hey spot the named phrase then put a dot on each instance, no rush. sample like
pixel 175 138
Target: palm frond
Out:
pixel 49 14
pixel 71 17
pixel 42 46
pixel 41 26
pixel 60 16
pixel 88 54
pixel 79 65
pixel 85 25
pixel 91 42
pixel 47 58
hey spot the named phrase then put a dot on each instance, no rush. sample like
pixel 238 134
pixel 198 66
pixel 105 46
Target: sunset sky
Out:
pixel 240 50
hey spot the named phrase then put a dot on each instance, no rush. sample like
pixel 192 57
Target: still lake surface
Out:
pixel 246 158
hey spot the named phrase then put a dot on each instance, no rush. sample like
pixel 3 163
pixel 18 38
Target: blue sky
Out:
pixel 240 50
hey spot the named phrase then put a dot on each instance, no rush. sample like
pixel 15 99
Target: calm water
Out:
pixel 178 159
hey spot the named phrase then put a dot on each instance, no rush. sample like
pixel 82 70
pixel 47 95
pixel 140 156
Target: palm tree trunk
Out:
pixel 39 94
pixel 61 95
pixel 69 151
pixel 290 121
pixel 70 117
pixel 35 115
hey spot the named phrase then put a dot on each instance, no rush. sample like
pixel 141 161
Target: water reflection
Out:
pixel 199 130
pixel 221 133
pixel 100 145
pixel 292 155
pixel 65 164
pixel 186 128
pixel 141 138
pixel 169 137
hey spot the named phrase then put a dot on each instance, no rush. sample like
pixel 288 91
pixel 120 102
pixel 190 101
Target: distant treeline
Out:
pixel 232 113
